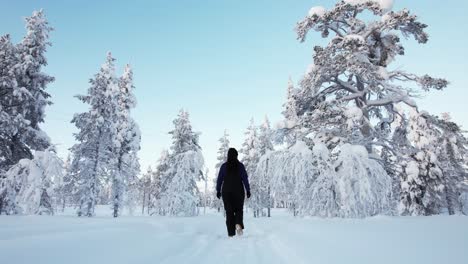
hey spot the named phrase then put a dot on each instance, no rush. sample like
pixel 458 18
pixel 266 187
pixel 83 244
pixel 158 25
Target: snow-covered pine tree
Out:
pixel 31 52
pixel 132 195
pixel 128 141
pixel 250 158
pixel 10 96
pixel 145 183
pixel 352 71
pixel 422 185
pixel 264 188
pixel 438 149
pixel 222 151
pixel 181 196
pixel 93 155
pixel 453 148
pixel 159 183
pixel 288 131
pixel 265 142
pixel 66 188
pixel 221 158
pixel 23 95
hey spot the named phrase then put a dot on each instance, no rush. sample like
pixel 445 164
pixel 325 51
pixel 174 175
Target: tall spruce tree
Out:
pixel 128 142
pixel 93 155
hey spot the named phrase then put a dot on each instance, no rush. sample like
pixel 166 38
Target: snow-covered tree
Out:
pixel 93 155
pixel 23 95
pixel 159 182
pixel 250 158
pixel 61 187
pixel 221 158
pixel 265 142
pixel 289 129
pixel 463 198
pixel 222 151
pixel 321 183
pixel 262 186
pixel 145 184
pixel 434 171
pixel 453 149
pixel 317 192
pixel 181 195
pixel 132 195
pixel 363 187
pixel 31 52
pixel 11 120
pixel 352 71
pixel 128 141
pixel 33 181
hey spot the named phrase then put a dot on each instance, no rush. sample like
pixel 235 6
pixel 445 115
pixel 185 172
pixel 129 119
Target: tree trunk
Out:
pixel 143 203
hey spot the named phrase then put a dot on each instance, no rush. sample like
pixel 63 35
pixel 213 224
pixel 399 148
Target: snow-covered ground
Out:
pixel 66 239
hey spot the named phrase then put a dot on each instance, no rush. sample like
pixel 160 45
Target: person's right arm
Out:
pixel 220 179
pixel 245 178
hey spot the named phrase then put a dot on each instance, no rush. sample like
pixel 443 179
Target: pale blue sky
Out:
pixel 224 61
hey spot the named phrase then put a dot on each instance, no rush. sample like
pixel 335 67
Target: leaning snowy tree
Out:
pixel 350 77
pixel 93 155
pixel 180 195
pixel 23 95
pixel 33 179
pixel 128 142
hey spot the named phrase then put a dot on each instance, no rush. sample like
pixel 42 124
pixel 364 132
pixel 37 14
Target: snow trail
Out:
pixel 203 239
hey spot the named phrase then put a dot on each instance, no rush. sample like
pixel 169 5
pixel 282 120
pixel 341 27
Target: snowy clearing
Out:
pixel 280 239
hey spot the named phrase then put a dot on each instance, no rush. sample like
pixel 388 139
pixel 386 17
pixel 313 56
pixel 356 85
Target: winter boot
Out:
pixel 239 230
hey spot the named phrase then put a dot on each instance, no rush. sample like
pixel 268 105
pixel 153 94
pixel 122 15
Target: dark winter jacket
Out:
pixel 232 181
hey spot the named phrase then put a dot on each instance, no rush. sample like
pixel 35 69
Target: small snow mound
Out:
pixel 317 10
pixel 300 148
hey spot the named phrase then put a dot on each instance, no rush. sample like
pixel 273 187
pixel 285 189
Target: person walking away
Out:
pixel 232 179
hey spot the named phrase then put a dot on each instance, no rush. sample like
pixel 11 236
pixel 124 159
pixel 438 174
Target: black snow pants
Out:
pixel 234 206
